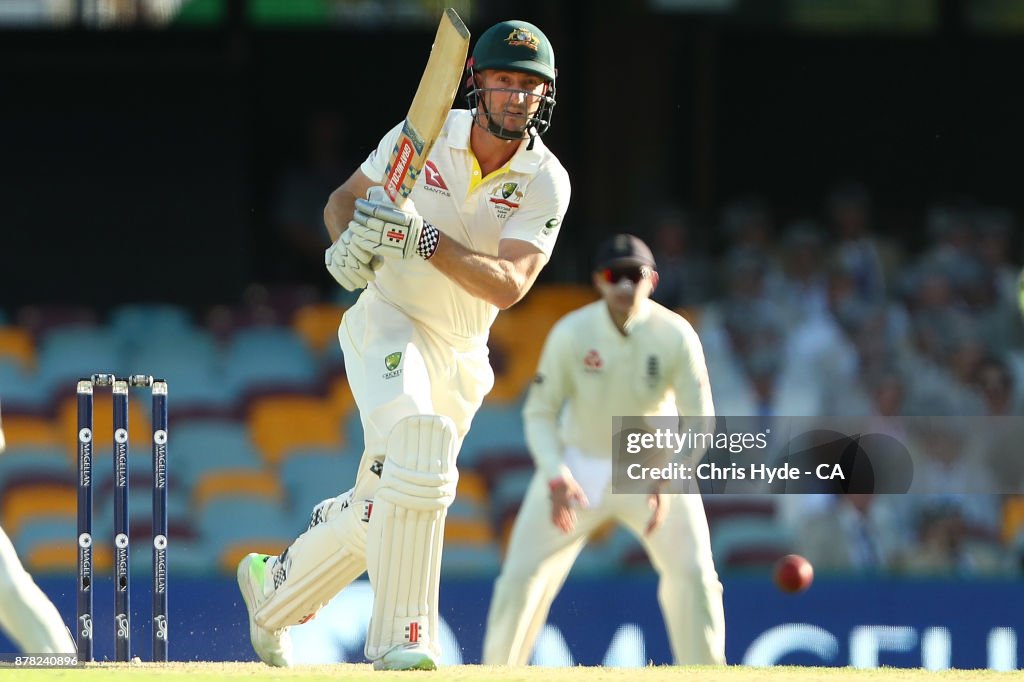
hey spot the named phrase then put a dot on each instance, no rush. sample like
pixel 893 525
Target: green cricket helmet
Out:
pixel 513 46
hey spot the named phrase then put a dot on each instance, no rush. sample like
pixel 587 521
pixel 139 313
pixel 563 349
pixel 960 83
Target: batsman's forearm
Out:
pixel 492 279
pixel 340 208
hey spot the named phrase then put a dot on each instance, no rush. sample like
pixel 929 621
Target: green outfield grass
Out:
pixel 227 672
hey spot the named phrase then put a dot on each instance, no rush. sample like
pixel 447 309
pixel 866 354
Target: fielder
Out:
pixel 486 216
pixel 26 614
pixel 624 355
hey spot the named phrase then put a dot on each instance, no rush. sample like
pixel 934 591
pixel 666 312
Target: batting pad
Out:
pixel 403 547
pixel 318 565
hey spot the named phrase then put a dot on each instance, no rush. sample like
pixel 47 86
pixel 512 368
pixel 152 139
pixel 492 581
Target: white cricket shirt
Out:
pixel 525 200
pixel 596 373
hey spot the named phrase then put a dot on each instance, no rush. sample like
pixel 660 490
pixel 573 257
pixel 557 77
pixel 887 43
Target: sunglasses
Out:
pixel 634 273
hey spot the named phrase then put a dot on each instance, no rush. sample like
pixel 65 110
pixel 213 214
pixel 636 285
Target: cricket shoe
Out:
pixel 406 657
pixel 256 584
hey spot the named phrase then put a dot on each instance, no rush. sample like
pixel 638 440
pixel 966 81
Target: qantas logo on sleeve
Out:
pixel 433 180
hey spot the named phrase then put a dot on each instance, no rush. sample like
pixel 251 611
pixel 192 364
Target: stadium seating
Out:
pixel 33 431
pixel 317 325
pixel 750 542
pixel 22 465
pixel 45 543
pixel 282 424
pixel 28 501
pixel 17 347
pixel 21 392
pixel 261 358
pixel 231 527
pixel 136 325
pixel 263 427
pixel 495 429
pixel 235 483
pixel 69 353
pixel 310 475
pixel 201 445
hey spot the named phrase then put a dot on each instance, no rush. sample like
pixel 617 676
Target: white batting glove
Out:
pixel 348 263
pixel 380 228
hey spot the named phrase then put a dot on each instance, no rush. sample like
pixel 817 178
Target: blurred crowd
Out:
pixel 828 316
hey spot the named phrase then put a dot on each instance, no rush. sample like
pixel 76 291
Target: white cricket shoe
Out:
pixel 406 657
pixel 273 647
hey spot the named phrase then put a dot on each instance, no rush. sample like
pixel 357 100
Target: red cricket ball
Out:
pixel 793 573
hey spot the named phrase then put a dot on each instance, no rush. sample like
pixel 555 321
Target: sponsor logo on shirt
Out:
pixel 433 180
pixel 393 362
pixel 592 362
pixel 550 226
pixel 505 198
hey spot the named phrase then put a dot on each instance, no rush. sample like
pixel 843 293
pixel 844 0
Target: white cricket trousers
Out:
pixel 26 614
pixel 434 375
pixel 539 558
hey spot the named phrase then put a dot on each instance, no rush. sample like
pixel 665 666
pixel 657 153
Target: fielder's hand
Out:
pixel 380 228
pixel 658 504
pixel 566 494
pixel 349 263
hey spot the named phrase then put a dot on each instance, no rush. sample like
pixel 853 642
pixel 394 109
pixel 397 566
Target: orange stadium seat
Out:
pixel 28 431
pixel 279 424
pixel 515 350
pixel 317 324
pixel 1013 517
pixel 518 335
pixel 467 531
pixel 16 344
pixel 62 556
pixel 236 482
pixel 472 487
pixel 339 397
pixel 35 501
pixel 559 299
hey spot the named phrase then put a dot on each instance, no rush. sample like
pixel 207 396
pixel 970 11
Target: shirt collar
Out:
pixel 525 160
pixel 634 323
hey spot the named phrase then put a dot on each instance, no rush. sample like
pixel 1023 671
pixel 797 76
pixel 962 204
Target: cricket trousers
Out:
pixel 539 558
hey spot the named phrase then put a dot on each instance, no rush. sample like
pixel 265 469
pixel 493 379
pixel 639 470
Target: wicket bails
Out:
pixel 122 580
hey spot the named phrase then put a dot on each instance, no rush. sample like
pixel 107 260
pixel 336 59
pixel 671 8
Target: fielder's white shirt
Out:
pixel 525 200
pixel 595 373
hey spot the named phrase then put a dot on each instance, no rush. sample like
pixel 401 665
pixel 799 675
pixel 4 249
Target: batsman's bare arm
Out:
pixel 341 205
pixel 500 280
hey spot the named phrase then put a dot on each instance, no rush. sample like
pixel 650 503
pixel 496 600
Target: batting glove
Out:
pixel 380 228
pixel 348 263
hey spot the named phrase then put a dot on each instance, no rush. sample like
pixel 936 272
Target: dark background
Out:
pixel 138 165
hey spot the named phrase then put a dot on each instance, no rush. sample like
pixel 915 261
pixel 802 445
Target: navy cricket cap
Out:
pixel 623 249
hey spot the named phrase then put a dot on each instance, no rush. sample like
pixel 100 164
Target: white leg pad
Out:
pixel 403 549
pixel 319 564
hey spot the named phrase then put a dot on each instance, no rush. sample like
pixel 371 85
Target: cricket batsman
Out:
pixel 623 355
pixel 482 223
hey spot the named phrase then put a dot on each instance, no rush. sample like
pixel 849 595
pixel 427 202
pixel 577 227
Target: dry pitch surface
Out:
pixel 228 672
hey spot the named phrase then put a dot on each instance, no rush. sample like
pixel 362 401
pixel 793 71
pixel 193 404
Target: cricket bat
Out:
pixel 429 108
